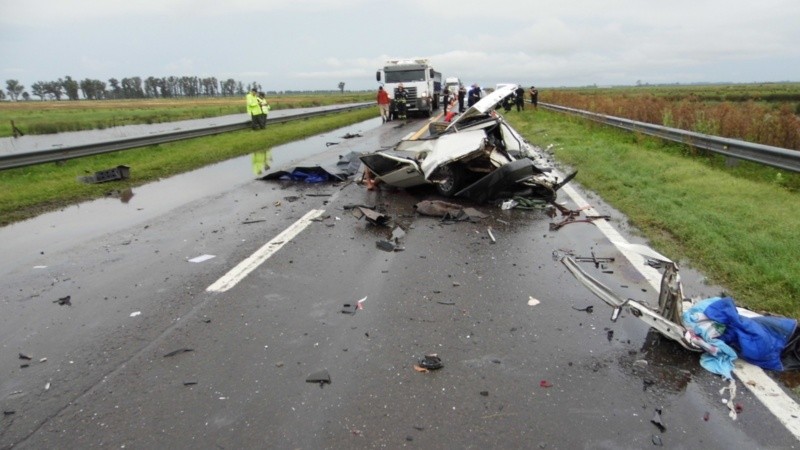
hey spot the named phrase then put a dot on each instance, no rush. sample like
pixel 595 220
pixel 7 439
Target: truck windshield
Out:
pixel 402 76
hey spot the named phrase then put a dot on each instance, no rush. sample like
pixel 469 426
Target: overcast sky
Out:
pixel 315 44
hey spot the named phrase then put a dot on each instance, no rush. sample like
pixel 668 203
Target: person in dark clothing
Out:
pixel 534 97
pixel 519 98
pixel 474 95
pixel 401 98
pixel 462 93
pixel 445 99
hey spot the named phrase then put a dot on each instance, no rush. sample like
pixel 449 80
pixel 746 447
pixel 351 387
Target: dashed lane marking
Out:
pixel 249 264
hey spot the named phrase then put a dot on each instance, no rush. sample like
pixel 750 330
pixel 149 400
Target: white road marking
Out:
pixel 249 264
pixel 764 388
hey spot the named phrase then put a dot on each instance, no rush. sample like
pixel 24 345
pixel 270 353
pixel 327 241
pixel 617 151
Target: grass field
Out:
pixel 762 113
pixel 37 117
pixel 737 225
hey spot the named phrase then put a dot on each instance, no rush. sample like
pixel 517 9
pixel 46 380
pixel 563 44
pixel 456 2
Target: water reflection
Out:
pixel 261 161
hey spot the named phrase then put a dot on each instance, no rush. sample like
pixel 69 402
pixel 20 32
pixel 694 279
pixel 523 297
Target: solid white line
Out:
pixel 764 388
pixel 244 268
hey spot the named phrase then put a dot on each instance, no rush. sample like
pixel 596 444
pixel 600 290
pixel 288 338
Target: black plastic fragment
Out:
pixel 431 362
pixel 64 301
pixel 178 351
pixel 322 377
pixel 349 308
pixel 656 420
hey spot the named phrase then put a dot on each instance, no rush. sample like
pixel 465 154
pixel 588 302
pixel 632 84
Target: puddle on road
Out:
pixel 122 209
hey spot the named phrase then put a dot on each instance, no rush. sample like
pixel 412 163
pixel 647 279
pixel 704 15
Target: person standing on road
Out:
pixel 462 93
pixel 474 95
pixel 264 105
pixel 383 103
pixel 445 99
pixel 534 97
pixel 401 98
pixel 253 107
pixel 519 98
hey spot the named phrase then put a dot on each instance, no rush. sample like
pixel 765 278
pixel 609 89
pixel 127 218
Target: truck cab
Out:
pixel 420 80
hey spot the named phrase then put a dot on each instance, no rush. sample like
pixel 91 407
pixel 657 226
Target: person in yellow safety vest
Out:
pixel 253 107
pixel 264 105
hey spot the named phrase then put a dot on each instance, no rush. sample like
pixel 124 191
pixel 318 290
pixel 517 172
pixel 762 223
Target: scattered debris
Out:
pixel 372 216
pixel 322 377
pixel 532 301
pixel 25 357
pixel 594 259
pixel 348 308
pixel 201 258
pixel 448 211
pixel 656 420
pixel 9 412
pixel 508 204
pixel 484 393
pixel 447 303
pixel 589 309
pixel 545 384
pixel 491 236
pixel 431 362
pixel 189 383
pixel 117 173
pixel 572 219
pixel 178 351
pixel 387 246
pixel 360 303
pixel 64 301
pixel 248 222
pixel 47 386
pixel 351 135
pixel 657 441
pixel 136 313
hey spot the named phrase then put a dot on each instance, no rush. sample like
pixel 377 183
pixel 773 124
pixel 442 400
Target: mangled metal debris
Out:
pixel 477 156
pixel 372 216
pixel 714 326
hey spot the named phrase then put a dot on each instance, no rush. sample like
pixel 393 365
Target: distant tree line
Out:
pixel 127 88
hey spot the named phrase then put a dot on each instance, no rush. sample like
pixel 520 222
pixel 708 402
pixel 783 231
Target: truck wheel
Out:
pixel 451 178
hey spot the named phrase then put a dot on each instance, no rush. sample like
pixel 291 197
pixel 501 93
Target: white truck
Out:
pixel 452 83
pixel 422 83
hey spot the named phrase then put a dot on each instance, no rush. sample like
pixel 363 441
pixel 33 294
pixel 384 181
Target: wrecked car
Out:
pixel 478 156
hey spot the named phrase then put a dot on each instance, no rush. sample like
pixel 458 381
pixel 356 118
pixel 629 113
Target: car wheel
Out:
pixel 450 180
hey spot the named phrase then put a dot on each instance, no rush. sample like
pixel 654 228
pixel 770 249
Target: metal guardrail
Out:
pixel 79 151
pixel 763 154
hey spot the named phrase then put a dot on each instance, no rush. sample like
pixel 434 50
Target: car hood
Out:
pixel 486 104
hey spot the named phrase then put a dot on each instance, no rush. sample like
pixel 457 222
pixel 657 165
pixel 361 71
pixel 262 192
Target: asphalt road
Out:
pixel 146 357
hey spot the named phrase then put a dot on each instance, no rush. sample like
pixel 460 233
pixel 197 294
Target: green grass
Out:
pixel 737 225
pixel 28 191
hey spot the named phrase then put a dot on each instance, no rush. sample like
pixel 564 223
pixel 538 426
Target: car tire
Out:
pixel 451 178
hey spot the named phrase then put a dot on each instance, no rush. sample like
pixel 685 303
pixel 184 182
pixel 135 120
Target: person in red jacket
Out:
pixel 383 103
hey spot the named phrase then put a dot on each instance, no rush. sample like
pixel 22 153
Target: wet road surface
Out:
pixel 516 374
